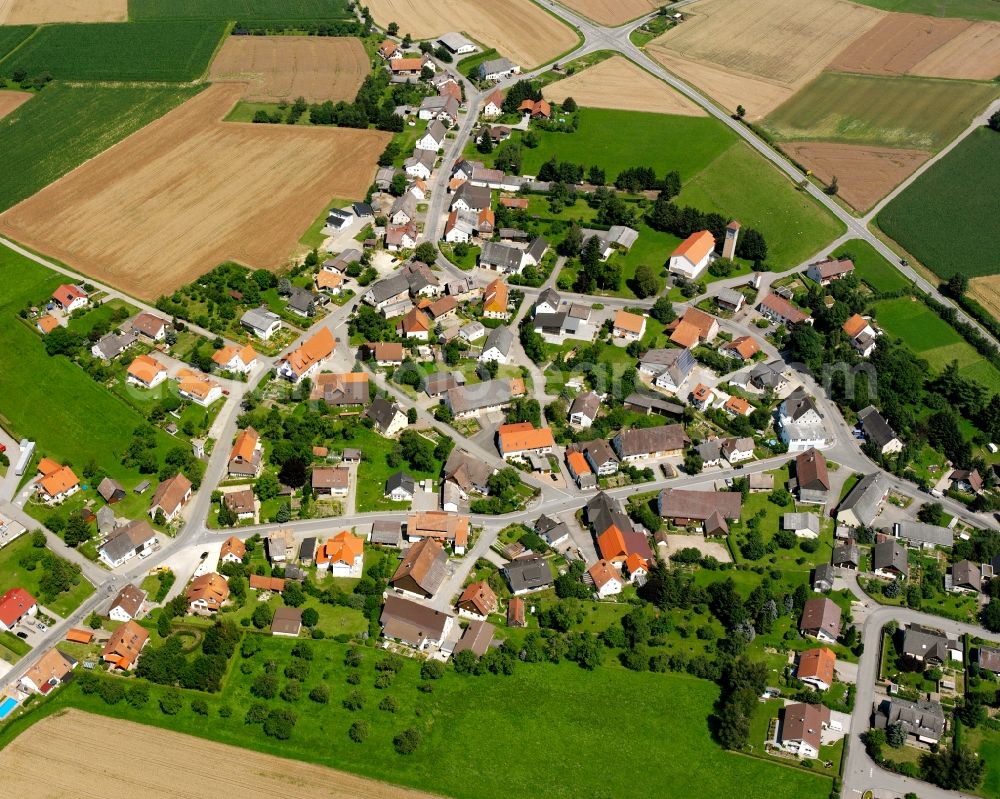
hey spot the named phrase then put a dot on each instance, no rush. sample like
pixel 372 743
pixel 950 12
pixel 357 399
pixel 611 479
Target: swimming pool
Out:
pixel 7 707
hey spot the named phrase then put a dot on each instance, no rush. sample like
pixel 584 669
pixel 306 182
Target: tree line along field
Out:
pixel 563 747
pixel 173 50
pixel 50 399
pixel 239 10
pixel 718 173
pixel 958 193
pixel 62 126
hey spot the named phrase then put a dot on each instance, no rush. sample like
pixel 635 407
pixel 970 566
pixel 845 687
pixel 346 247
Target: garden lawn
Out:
pixel 374 471
pixel 51 400
pixel 239 10
pixel 120 51
pixel 956 193
pixel 933 339
pixel 13 575
pixel 63 126
pixel 616 140
pixel 871 267
pixel 987 743
pixel 99 315
pixel 670 724
pixel 739 184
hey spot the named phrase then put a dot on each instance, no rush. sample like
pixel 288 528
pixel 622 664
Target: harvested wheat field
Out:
pixel 759 97
pixel 285 67
pixel 519 29
pixel 865 174
pixel 76 755
pixel 11 100
pixel 189 191
pixel 987 291
pixel 911 44
pixel 612 12
pixel 619 84
pixel 775 40
pixel 34 12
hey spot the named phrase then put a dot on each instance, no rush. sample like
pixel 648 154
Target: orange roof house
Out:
pixel 855 325
pixel 701 394
pixel 56 480
pixel 306 359
pixel 259 582
pixel 227 354
pixel 685 334
pixel 519 203
pixel 537 108
pixel 233 549
pixel 78 636
pixel 607 579
pixel 388 48
pixel 636 565
pixel 816 667
pixel 47 466
pixel 611 545
pixel 738 406
pixel 631 324
pixel 577 462
pixel 208 592
pixel 48 323
pixel 414 323
pixel 146 370
pixel 495 298
pixel 516 439
pixel 479 599
pixel 743 347
pixel 124 645
pixel 439 524
pixel 487 220
pixel 326 279
pixel 197 386
pixel 696 246
pixel 343 548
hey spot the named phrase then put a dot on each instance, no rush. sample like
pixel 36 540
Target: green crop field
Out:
pixel 886 111
pixel 958 193
pixel 931 338
pixel 547 720
pixel 239 10
pixel 52 400
pixel 12 36
pixel 64 125
pixel 616 140
pixel 128 51
pixel 968 9
pixel 871 267
pixel 742 185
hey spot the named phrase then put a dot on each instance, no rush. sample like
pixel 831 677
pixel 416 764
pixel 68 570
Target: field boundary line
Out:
pixel 226 33
pixel 21 44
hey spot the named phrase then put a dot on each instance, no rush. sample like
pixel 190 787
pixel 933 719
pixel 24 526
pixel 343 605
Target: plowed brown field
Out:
pixel 285 67
pixel 865 174
pixel 76 755
pixel 11 100
pixel 618 83
pixel 33 12
pixel 519 29
pixel 189 191
pixel 911 44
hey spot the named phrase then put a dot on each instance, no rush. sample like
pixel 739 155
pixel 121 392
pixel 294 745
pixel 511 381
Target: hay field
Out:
pixel 519 29
pixel 11 100
pixel 612 12
pixel 76 755
pixel 285 67
pixel 987 291
pixel 865 174
pixel 33 12
pixel 619 84
pixel 910 44
pixel 189 191
pixel 787 43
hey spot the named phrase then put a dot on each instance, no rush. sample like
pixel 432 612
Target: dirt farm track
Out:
pixel 33 12
pixel 190 191
pixel 76 755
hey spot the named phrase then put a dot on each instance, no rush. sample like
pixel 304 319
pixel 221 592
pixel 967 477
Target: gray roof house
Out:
pixel 823 578
pixel 877 431
pixel 928 645
pixel 498 344
pixel 473 399
pixel 472 198
pixel 919 534
pixel 302 302
pixel 889 560
pixel 500 257
pixel 922 720
pixel 862 505
pixel 261 322
pixel 965 576
pixel 528 574
pixel 387 533
pixel 847 555
pixel 804 525
pixel 497 69
pixel 112 345
pixel 400 487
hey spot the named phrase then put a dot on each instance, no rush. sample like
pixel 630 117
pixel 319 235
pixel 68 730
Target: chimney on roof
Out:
pixel 729 245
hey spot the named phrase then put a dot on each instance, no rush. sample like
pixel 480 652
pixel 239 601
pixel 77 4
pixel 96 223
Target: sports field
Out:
pixel 12 100
pixel 190 191
pixel 741 185
pixel 162 51
pixel 934 340
pixel 617 83
pixel 865 174
pixel 518 29
pixel 968 9
pixel 958 193
pixel 239 10
pixel 554 751
pixel 20 12
pixel 64 125
pixel 882 111
pixel 45 397
pixel 911 44
pixel 281 68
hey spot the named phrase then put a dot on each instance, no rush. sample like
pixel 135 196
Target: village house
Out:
pixel 800 422
pixel 527 575
pixel 109 347
pixel 70 298
pixel 820 619
pixel 287 622
pixel 730 300
pixel 263 323
pixel 804 525
pixel 343 555
pixel 330 481
pixel 388 293
pixel 584 409
pixel 389 50
pixel 637 444
pixel 242 504
pixel 198 387
pixel 433 138
pixel 860 507
pixel 861 334
pixel 55 482
pixel 233 550
pixel 929 646
pixel 259 582
pixel 50 671
pixel 437 384
pixel 712 509
pixel 781 311
pixel 493 107
pixel 414 324
pixel 693 255
pixel 338 390
pixel 498 346
pixel 452 528
pixel 415 625
pixel 669 368
pixel 923 720
pixel 127 605
pixel 607 579
pixel 966 481
pixel 170 496
pixel 693 328
pixel 737 406
pixel 281 546
pixel 520 440
pixel 400 487
pixel 401 237
pixel 403 209
pixel 387 417
pixel 421 164
pixel 801 730
pixel 468 473
pixel 889 560
pixel 16 604
pixel 402 67
pixel 241 360
pixel 846 555
pixel 386 353
pixel 422 569
pixel 738 450
pixel 599 454
pixel 134 538
pixel 816 668
pixel 811 481
pixel 111 490
pixel 487 397
pixel 826 271
pixel 536 109
pixel 456 44
pixel 743 347
pixel 618 238
pixel 877 431
pixel 470 197
pixel 823 577
pixel 145 372
pixel 306 360
pixel 207 593
pixel 964 577
pixel 150 326
pixel 478 600
pixel 125 645
pixel 497 69
pixel 628 326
